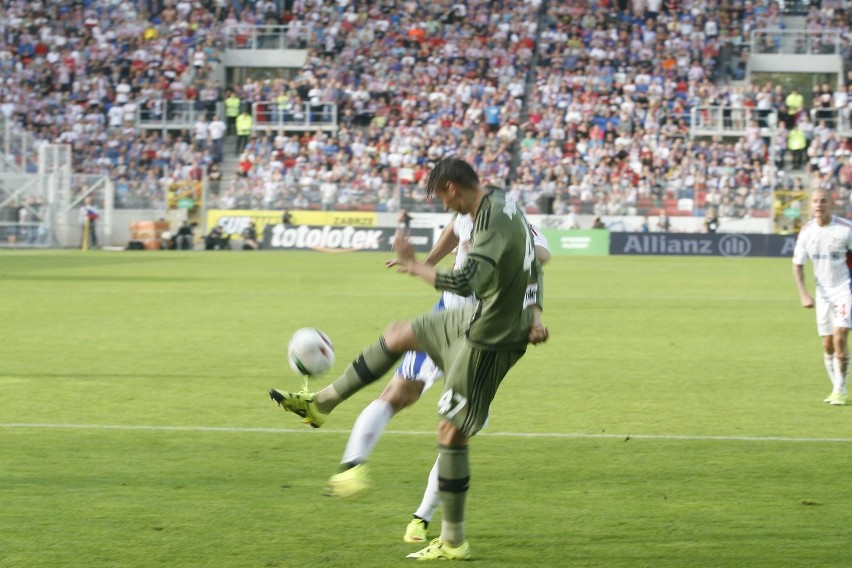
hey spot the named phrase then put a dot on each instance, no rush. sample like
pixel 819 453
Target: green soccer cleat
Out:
pixel 440 550
pixel 843 393
pixel 301 403
pixel 350 483
pixel 415 531
pixel 837 399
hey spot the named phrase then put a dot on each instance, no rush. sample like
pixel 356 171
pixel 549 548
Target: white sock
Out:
pixel 431 497
pixel 829 366
pixel 366 431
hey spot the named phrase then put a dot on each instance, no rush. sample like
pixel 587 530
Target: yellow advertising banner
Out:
pixel 235 221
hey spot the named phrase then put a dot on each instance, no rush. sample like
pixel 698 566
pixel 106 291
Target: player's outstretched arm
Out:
pixel 407 262
pixel 445 244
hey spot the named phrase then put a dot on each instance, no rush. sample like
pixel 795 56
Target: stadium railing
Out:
pixel 730 121
pixel 844 124
pixel 243 36
pixel 835 119
pixel 19 150
pixel 162 114
pixel 52 196
pixel 273 116
pixel 795 42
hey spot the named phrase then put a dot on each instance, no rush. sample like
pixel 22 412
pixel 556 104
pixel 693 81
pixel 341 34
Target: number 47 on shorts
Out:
pixel 451 404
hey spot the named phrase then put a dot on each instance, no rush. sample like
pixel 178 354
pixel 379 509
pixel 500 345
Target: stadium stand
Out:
pixel 600 107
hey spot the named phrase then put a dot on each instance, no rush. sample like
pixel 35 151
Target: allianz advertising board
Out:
pixel 716 244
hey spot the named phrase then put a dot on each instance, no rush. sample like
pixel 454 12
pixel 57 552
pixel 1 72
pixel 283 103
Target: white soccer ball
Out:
pixel 310 352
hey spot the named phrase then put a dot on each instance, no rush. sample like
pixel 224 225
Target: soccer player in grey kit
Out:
pixel 475 346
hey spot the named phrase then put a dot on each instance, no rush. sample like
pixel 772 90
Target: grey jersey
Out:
pixel 503 272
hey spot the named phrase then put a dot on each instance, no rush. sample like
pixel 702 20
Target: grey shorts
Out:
pixel 471 374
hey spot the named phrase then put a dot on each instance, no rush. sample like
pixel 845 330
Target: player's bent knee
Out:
pixel 399 337
pixel 450 435
pixel 401 393
pixel 840 340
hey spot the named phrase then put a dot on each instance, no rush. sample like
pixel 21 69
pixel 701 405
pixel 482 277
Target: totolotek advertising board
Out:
pixel 717 244
pixel 326 238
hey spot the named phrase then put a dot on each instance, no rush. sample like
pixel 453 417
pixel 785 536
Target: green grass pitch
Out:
pixel 675 418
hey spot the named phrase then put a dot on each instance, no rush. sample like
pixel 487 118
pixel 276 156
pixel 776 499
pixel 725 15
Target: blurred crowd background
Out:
pixel 576 107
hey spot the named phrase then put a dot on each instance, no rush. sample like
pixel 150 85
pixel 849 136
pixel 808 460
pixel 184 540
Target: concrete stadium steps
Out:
pixel 794 22
pixel 228 165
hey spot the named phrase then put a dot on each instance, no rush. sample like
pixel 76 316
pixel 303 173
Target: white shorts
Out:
pixel 833 309
pixel 417 366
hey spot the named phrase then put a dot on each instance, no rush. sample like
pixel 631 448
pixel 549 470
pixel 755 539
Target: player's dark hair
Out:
pixel 453 170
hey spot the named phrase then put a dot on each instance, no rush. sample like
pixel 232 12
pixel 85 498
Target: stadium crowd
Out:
pixel 603 128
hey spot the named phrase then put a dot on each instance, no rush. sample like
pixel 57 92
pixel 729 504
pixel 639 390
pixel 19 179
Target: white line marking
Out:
pixel 563 435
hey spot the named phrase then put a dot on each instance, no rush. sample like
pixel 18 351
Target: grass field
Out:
pixel 674 419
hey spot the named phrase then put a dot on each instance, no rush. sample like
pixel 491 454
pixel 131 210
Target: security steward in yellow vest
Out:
pixel 244 124
pixel 232 111
pixel 797 143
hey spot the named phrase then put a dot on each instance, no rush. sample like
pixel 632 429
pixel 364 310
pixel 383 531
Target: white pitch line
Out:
pixel 558 435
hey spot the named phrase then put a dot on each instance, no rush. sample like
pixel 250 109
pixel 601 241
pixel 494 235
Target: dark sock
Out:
pixel 369 366
pixel 453 482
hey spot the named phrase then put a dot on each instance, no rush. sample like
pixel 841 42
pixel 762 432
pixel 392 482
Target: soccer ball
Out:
pixel 310 352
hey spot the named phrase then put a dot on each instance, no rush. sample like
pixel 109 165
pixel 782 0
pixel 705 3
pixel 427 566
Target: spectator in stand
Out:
pixel 605 84
pixel 711 221
pixel 250 238
pixel 663 223
pixel 244 124
pixel 184 237
pixel 214 179
pixel 217 239
pixel 89 216
pixel 201 132
pixel 233 107
pixel 797 144
pixel 217 129
pixel 795 103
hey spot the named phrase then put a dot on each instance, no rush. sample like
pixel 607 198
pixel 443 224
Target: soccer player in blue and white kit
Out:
pixel 827 240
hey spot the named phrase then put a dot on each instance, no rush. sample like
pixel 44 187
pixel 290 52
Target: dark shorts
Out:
pixel 471 374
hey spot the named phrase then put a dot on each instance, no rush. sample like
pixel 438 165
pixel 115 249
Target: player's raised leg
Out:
pixel 376 360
